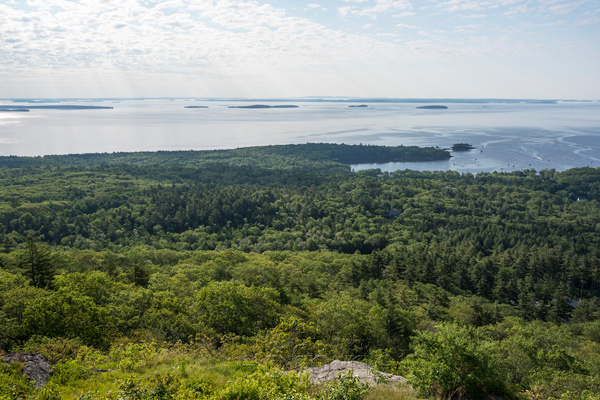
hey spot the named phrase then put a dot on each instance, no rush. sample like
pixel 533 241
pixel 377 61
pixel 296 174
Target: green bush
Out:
pixel 451 362
pixel 13 383
pixel 347 387
pixel 266 384
pixel 66 373
pixel 54 349
pixel 133 355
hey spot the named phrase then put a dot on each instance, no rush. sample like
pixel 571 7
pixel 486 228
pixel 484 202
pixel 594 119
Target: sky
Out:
pixel 536 49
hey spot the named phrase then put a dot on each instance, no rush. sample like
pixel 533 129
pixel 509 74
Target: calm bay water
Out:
pixel 508 136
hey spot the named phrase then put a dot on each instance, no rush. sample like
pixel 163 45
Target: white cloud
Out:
pixel 560 8
pixel 379 7
pixel 593 20
pixel 314 6
pixel 404 14
pixel 140 36
pixel 460 5
pixel 346 10
pixel 520 9
pixel 467 28
pixel 115 43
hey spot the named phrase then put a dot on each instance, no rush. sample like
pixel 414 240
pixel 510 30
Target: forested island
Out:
pixel 433 107
pixel 206 275
pixel 266 106
pixel 462 147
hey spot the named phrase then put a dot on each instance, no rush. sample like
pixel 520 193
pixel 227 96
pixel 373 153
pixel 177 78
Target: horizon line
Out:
pixel 302 98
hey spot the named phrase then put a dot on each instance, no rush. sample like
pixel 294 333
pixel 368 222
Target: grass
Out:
pixel 389 392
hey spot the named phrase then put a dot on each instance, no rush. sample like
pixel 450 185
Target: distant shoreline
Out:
pixel 55 107
pixel 310 99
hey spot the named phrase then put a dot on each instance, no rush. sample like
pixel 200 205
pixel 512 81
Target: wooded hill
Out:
pixel 466 284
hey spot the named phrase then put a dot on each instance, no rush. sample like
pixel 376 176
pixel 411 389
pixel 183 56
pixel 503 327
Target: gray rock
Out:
pixel 362 371
pixel 37 367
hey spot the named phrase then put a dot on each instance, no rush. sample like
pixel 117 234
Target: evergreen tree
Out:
pixel 37 264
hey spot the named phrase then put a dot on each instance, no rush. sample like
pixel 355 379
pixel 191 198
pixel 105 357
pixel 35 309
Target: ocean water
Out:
pixel 507 136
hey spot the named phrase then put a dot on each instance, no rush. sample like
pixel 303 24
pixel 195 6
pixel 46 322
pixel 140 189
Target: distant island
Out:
pixel 433 107
pixel 361 105
pixel 195 107
pixel 55 107
pixel 462 147
pixel 14 110
pixel 265 106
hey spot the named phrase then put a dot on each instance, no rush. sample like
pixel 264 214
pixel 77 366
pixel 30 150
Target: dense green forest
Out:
pixel 206 274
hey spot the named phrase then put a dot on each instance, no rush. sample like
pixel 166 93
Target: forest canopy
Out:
pixel 468 285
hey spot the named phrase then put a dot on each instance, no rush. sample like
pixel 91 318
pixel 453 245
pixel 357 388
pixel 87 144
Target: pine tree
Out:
pixel 37 264
pixel 138 271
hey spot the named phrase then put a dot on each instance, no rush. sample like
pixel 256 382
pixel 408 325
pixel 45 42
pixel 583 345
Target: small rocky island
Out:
pixel 360 105
pixel 462 147
pixel 433 107
pixel 266 106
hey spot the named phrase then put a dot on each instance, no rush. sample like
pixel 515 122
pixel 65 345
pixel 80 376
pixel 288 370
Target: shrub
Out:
pixel 450 362
pixel 55 349
pixel 133 355
pixel 66 373
pixel 347 387
pixel 13 383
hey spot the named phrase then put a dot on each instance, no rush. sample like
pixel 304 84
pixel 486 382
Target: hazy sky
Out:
pixel 288 48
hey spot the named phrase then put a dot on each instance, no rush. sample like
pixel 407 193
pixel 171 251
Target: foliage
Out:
pixel 64 373
pixel 13 383
pixel 451 362
pixel 346 387
pixel 37 264
pixel 226 307
pixel 172 267
pixel 291 344
pixel 130 355
pixel 54 349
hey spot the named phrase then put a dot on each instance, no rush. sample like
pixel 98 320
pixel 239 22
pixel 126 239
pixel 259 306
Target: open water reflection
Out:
pixel 507 136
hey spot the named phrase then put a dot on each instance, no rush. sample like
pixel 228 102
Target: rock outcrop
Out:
pixel 37 367
pixel 362 371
